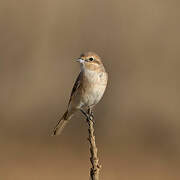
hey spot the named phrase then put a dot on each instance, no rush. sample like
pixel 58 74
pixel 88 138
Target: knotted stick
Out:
pixel 95 169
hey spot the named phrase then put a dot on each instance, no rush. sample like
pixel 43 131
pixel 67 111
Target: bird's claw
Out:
pixel 89 115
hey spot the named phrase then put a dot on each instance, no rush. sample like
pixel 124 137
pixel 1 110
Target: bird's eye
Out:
pixel 91 58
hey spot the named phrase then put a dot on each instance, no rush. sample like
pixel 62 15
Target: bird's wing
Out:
pixel 76 86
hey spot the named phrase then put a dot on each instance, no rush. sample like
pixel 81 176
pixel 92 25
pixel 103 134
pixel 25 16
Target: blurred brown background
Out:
pixel 138 120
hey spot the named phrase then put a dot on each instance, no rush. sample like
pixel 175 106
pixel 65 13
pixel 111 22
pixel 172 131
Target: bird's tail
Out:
pixel 61 124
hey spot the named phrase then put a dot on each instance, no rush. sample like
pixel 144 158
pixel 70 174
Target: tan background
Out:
pixel 138 120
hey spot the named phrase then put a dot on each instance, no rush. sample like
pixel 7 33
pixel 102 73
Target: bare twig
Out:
pixel 95 169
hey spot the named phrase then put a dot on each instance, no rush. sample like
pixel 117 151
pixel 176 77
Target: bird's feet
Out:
pixel 89 115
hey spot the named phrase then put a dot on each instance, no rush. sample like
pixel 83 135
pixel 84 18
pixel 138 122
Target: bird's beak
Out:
pixel 80 60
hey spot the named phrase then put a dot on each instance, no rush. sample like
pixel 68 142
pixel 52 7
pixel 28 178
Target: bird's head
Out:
pixel 91 61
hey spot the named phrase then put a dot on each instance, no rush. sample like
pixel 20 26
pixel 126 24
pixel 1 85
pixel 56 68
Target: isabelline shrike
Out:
pixel 87 90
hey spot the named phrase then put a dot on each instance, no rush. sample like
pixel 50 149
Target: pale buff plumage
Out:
pixel 88 88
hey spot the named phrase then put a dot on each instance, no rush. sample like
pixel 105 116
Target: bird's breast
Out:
pixel 94 85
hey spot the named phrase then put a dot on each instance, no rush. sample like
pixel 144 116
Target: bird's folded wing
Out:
pixel 76 86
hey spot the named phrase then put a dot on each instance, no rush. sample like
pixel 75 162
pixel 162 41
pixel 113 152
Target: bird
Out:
pixel 87 91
